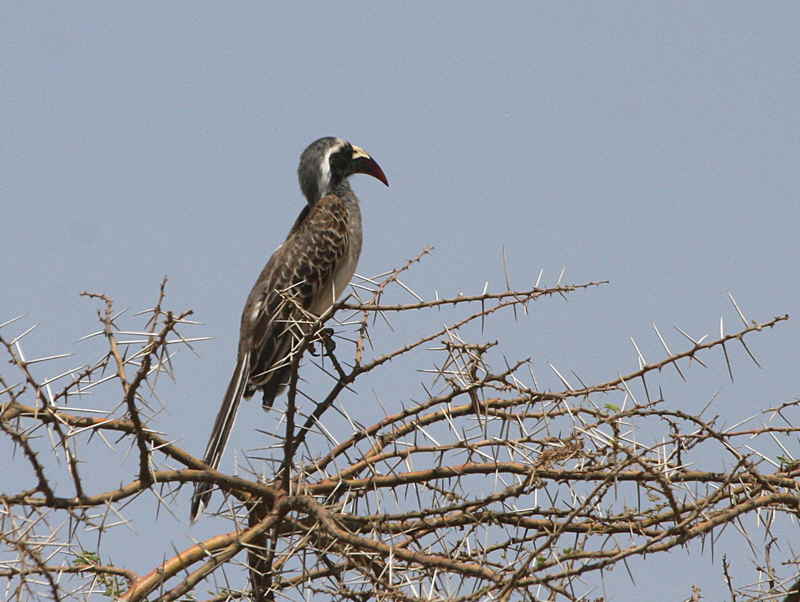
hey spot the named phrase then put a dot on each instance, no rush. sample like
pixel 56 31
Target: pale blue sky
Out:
pixel 653 144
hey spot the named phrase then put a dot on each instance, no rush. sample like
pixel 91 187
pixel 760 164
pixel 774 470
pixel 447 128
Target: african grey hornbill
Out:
pixel 302 279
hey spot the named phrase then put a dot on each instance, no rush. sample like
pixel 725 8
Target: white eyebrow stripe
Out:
pixel 324 174
pixel 325 169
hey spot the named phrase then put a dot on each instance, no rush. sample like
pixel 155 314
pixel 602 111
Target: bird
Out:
pixel 302 279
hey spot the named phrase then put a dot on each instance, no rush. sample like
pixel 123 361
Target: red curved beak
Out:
pixel 363 163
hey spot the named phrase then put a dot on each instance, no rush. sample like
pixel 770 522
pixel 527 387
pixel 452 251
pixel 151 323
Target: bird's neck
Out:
pixel 341 189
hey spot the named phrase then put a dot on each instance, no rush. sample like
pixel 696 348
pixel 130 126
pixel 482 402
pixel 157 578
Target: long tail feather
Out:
pixel 221 431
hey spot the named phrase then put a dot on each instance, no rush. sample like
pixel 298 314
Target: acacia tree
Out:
pixel 489 487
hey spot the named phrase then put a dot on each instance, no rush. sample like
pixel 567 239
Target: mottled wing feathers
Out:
pixel 294 282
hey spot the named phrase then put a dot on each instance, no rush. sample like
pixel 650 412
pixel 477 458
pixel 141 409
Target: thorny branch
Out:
pixel 490 486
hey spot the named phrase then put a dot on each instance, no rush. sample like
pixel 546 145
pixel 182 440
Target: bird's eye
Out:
pixel 340 158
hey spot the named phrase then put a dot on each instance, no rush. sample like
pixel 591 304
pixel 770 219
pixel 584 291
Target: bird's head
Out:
pixel 328 162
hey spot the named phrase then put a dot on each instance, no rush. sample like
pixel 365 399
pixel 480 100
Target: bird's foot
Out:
pixel 327 344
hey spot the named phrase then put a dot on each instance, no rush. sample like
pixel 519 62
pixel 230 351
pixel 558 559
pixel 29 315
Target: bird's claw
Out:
pixel 327 344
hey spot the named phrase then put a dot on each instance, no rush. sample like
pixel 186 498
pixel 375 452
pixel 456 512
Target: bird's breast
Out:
pixel 347 248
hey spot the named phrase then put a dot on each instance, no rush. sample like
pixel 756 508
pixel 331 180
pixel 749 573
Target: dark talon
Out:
pixel 326 342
